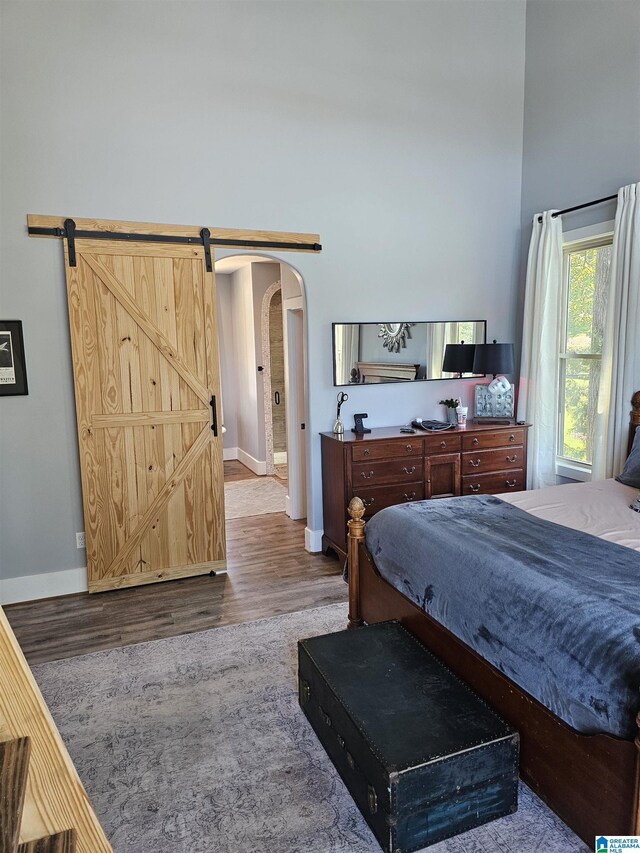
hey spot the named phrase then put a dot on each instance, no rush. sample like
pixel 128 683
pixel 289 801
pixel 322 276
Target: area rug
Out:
pixel 258 496
pixel 196 744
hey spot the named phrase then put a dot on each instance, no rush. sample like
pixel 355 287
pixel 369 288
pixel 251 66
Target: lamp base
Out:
pixel 488 405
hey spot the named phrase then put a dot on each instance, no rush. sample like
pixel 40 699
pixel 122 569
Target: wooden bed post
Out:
pixel 634 419
pixel 354 537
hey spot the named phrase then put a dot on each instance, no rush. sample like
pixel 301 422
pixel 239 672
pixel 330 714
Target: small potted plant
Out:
pixel 451 405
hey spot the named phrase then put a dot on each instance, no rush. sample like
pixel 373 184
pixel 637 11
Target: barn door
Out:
pixel 146 372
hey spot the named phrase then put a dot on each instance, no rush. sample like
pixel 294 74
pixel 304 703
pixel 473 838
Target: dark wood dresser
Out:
pixel 386 467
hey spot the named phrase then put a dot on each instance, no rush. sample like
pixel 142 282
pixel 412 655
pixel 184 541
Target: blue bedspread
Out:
pixel 556 610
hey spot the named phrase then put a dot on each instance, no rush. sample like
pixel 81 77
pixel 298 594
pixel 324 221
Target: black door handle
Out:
pixel 277 397
pixel 214 415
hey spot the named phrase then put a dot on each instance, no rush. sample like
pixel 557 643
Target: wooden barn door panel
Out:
pixel 143 332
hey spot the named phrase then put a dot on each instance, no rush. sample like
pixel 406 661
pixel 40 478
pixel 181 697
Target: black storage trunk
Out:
pixel 422 755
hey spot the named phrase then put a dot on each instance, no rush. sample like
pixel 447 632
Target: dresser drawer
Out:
pixel 494 484
pixel 493 438
pixel 378 498
pixel 483 461
pixel 443 443
pixel 382 473
pixel 387 449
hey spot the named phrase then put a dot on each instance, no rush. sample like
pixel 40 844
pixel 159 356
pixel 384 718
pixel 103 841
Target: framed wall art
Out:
pixel 13 371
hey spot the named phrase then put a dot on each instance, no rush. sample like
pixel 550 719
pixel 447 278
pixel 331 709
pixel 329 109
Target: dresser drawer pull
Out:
pixel 369 502
pixel 409 448
pixel 366 451
pixel 512 437
pixel 366 476
pixel 475 464
pixel 475 488
pixel 410 497
pixel 513 458
pixel 409 470
pixel 510 483
pixel 443 444
pixel 476 441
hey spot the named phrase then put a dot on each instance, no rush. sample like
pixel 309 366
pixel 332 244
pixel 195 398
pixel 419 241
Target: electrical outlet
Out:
pixel 80 540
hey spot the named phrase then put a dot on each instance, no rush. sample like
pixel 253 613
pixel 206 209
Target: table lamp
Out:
pixel 494 400
pixel 458 358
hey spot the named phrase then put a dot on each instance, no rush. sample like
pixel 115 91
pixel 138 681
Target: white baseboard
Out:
pixel 287 506
pixel 48 585
pixel 229 453
pixel 253 464
pixel 313 540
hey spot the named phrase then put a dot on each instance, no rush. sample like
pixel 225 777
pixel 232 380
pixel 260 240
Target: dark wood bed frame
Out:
pixel 591 781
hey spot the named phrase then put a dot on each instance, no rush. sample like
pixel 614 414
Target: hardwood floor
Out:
pixel 269 573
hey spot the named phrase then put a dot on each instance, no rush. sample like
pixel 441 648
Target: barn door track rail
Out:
pixel 145 232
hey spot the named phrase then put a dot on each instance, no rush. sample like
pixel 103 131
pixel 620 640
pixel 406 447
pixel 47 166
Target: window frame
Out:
pixel 591 237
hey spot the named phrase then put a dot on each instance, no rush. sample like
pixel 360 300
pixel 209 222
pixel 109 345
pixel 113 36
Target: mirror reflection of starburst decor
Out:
pixel 394 335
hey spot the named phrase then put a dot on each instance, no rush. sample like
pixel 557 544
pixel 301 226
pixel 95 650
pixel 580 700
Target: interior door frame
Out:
pixel 296 390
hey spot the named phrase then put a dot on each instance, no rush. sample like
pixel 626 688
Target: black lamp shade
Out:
pixel 458 358
pixel 494 358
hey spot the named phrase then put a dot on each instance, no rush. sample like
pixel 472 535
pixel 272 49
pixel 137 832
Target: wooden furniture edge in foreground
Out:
pixel 61 842
pixel 14 770
pixel 56 800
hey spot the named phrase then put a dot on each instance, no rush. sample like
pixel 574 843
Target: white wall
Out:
pixel 394 130
pixel 582 111
pixel 582 106
pixel 247 391
pixel 262 277
pixel 291 288
pixel 227 347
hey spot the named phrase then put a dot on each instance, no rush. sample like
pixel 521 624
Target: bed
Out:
pixel 587 770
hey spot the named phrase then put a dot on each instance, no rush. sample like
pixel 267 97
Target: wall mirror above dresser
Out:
pixel 374 353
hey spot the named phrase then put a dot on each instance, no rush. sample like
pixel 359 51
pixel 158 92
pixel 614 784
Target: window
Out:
pixel 586 285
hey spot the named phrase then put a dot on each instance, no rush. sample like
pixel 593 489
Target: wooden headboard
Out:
pixel 372 372
pixel 634 421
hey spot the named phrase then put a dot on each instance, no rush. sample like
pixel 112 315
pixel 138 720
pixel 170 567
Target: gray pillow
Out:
pixel 631 472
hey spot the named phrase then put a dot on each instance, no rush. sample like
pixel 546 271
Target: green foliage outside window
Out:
pixel 588 277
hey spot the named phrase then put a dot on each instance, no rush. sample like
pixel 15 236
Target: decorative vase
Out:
pixel 452 417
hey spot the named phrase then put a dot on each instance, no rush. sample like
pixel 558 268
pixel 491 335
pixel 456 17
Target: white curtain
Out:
pixel 436 342
pixel 347 344
pixel 538 393
pixel 620 370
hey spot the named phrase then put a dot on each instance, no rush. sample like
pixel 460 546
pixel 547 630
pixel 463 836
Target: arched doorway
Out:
pixel 262 345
